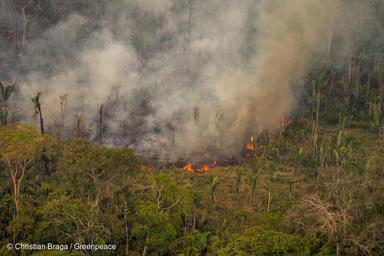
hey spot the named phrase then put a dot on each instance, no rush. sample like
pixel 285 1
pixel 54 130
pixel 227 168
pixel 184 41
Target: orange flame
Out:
pixel 205 168
pixel 188 167
pixel 250 146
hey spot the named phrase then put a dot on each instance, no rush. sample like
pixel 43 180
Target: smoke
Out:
pixel 186 78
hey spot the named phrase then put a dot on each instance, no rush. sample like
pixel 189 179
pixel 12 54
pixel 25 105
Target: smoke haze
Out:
pixel 179 78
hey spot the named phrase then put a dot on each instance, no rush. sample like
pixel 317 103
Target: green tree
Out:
pixel 260 242
pixel 19 146
pixel 201 242
pixel 94 171
pixel 69 220
pixel 154 229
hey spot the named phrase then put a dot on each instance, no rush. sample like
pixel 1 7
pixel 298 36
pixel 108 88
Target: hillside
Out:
pixel 283 201
pixel 191 127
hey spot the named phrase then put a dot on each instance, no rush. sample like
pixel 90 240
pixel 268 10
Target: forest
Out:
pixel 191 127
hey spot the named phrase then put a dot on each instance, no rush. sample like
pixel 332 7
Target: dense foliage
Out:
pixel 288 199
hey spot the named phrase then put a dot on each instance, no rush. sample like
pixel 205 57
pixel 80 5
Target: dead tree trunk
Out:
pixel 36 101
pixel 63 108
pixel 196 113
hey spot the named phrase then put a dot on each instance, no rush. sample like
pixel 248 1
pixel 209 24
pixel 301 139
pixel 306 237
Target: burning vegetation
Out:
pixel 126 85
pixel 202 169
pixel 250 146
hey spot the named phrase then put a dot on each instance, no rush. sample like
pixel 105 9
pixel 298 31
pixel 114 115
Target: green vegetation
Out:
pixel 313 189
pixel 285 200
pixel 258 241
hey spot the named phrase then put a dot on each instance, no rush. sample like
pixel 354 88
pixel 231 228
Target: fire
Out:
pixel 188 167
pixel 205 168
pixel 250 146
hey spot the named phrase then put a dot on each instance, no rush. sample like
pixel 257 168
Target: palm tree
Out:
pixel 5 93
pixel 202 242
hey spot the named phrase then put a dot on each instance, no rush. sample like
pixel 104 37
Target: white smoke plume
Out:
pixel 179 78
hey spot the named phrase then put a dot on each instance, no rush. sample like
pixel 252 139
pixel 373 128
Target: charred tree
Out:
pixel 44 158
pixel 78 125
pixel 196 113
pixel 36 102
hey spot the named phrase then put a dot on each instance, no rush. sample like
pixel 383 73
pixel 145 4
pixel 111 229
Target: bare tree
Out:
pixel 78 129
pixel 25 22
pixel 196 113
pixel 331 212
pixel 328 218
pixel 63 109
pixel 36 102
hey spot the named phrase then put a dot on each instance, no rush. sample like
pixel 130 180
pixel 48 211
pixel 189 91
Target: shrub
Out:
pixel 257 241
